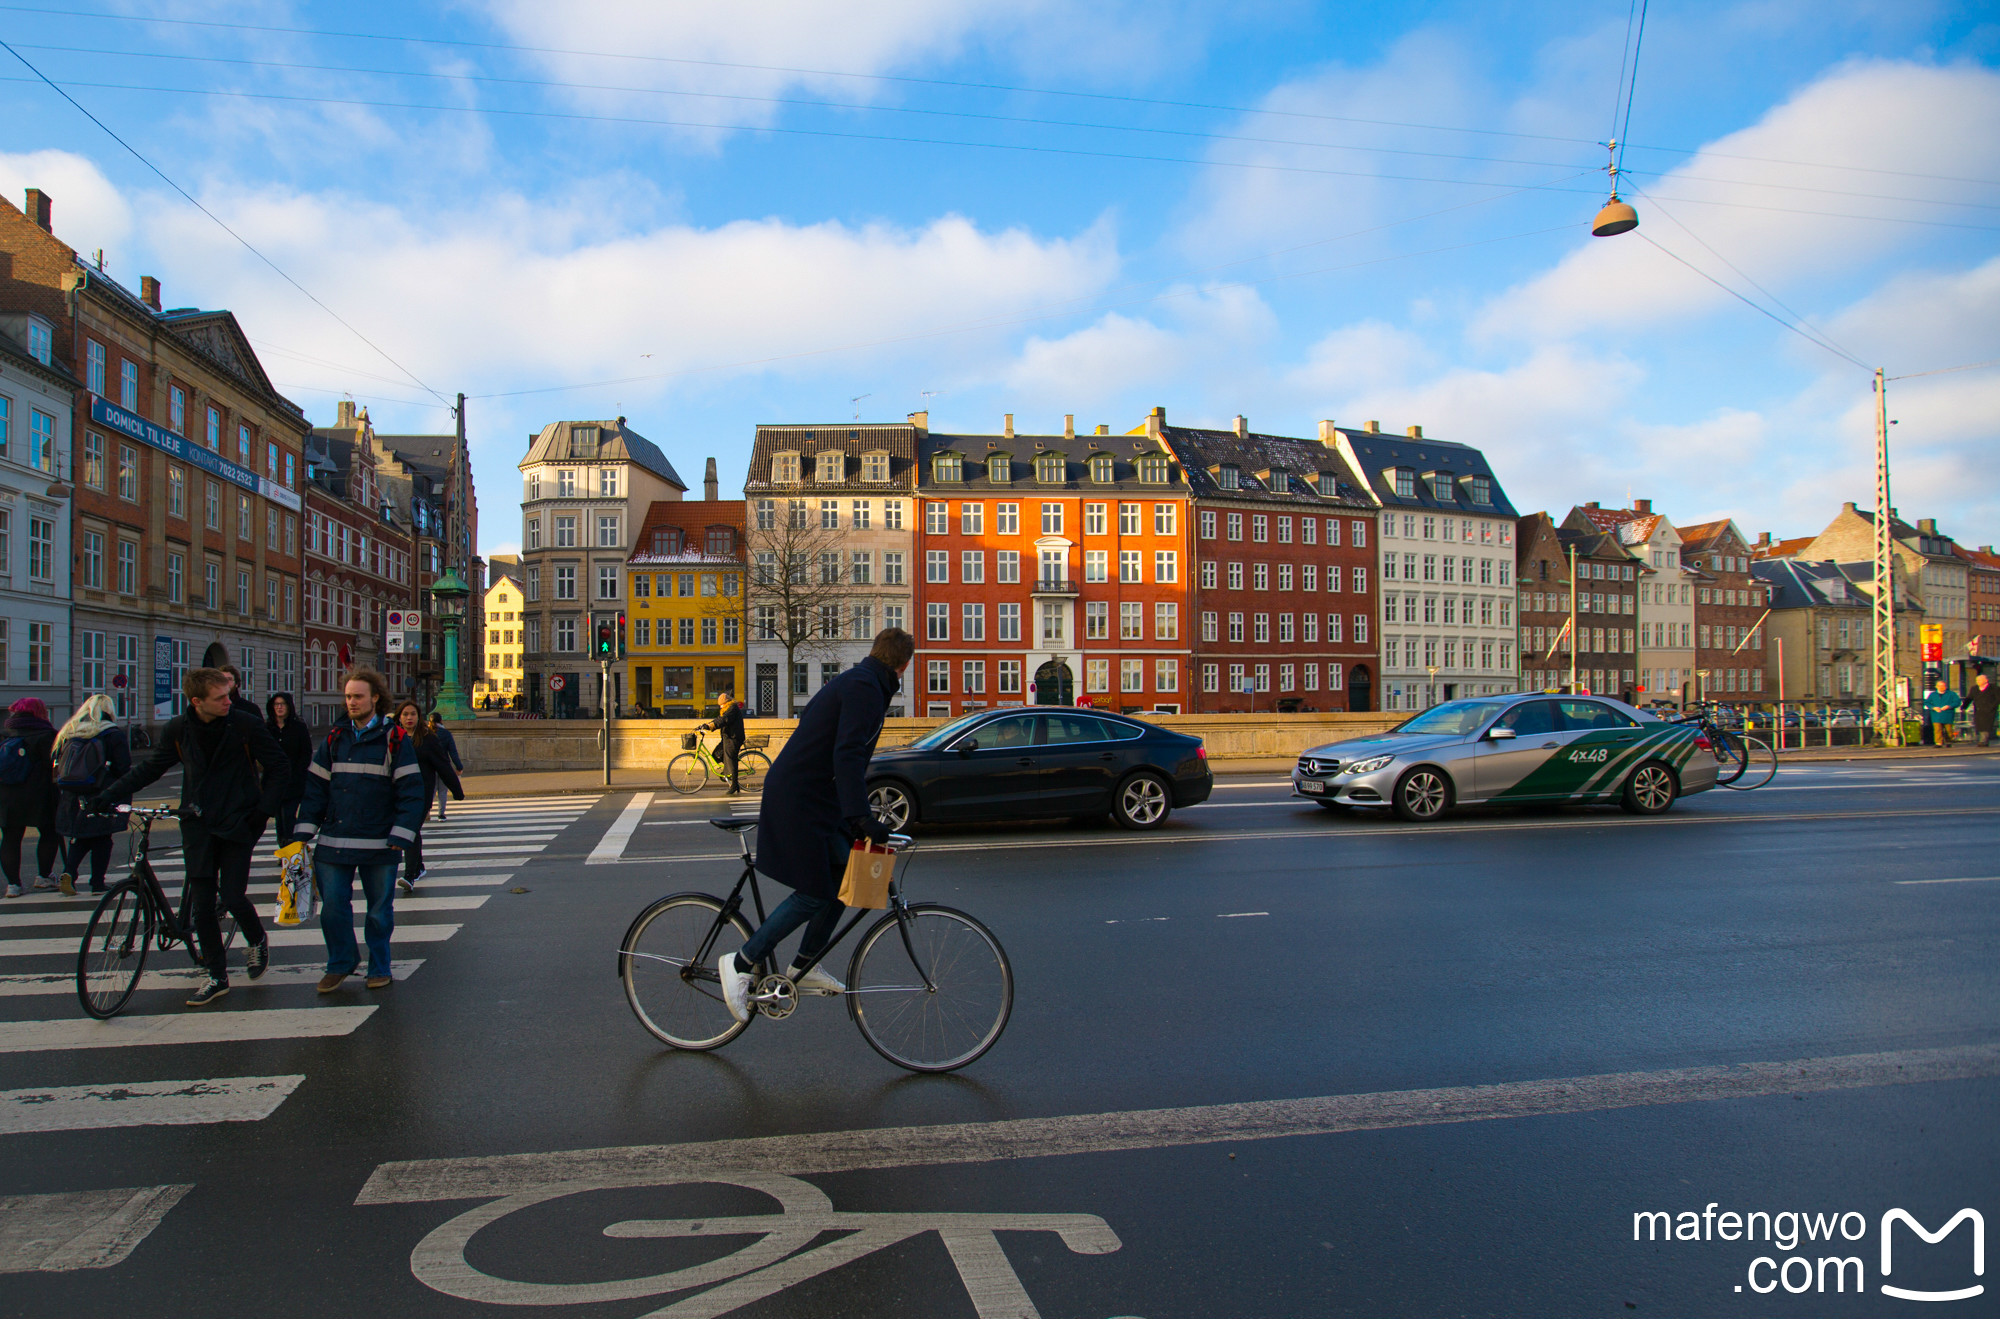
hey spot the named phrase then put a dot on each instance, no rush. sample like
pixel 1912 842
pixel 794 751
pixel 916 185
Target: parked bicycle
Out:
pixel 131 917
pixel 929 987
pixel 691 770
pixel 1742 762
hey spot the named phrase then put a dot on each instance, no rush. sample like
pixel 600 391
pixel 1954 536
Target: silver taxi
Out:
pixel 1525 747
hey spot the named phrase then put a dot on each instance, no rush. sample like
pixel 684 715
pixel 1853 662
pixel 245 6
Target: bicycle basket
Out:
pixel 689 741
pixel 757 741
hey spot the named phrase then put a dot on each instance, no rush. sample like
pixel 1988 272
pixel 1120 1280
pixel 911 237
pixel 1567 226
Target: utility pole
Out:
pixel 1572 620
pixel 604 703
pixel 1888 719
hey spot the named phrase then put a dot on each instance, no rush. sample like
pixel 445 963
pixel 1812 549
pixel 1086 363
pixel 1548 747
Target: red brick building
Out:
pixel 1284 590
pixel 1982 581
pixel 359 566
pixel 1052 570
pixel 1730 609
pixel 1591 617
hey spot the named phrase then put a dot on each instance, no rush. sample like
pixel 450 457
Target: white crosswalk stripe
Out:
pixel 469 855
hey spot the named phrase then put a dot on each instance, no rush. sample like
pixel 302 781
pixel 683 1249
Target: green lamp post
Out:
pixel 448 596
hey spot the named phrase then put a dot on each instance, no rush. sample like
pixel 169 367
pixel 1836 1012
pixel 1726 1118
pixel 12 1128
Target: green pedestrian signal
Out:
pixel 605 638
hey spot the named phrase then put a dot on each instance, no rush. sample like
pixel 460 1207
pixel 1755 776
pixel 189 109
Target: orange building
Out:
pixel 1051 570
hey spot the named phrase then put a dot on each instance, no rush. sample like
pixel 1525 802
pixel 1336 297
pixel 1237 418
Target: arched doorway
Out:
pixel 1358 683
pixel 1054 684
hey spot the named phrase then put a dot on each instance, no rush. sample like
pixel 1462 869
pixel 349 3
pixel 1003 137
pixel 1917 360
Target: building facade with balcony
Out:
pixel 1578 599
pixel 1052 570
pixel 1283 598
pixel 585 485
pixel 1666 655
pixel 1446 543
pixel 685 624
pixel 185 525
pixel 829 528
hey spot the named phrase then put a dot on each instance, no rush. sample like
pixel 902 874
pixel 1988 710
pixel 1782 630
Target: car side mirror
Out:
pixel 968 746
pixel 1500 735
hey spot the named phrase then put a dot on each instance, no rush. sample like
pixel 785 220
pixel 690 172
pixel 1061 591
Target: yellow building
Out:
pixel 684 588
pixel 499 686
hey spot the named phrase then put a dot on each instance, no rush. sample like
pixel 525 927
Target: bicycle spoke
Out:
pixel 954 1019
pixel 668 973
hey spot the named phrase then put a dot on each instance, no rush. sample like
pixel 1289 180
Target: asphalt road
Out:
pixel 1264 1062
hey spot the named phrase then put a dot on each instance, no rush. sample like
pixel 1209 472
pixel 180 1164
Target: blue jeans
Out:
pixel 336 913
pixel 820 916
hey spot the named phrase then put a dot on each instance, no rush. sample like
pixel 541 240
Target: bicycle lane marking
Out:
pixel 611 848
pixel 79 1229
pixel 144 1103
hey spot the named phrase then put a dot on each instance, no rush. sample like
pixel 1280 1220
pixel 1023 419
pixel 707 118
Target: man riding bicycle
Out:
pixel 815 806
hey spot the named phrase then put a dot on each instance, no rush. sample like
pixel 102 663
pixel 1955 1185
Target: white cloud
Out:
pixel 1204 339
pixel 89 211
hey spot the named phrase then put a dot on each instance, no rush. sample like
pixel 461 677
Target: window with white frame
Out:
pixel 1211 677
pixel 937 677
pixel 937 622
pixel 1166 621
pixel 972 622
pixel 1131 621
pixel 1097 675
pixel 1096 620
pixel 1052 519
pixel 1128 519
pixel 1208 625
pixel 1131 675
pixel 1009 618
pixel 1007 519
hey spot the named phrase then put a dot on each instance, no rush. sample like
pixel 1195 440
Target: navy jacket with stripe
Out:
pixel 364 795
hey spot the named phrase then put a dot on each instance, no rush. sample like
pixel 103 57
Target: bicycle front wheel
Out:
pixel 667 964
pixel 1731 758
pixel 751 767
pixel 949 1022
pixel 1760 765
pixel 687 772
pixel 113 954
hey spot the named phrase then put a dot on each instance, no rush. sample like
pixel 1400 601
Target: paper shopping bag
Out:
pixel 866 883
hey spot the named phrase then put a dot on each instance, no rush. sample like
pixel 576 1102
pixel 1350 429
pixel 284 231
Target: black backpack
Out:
pixel 83 759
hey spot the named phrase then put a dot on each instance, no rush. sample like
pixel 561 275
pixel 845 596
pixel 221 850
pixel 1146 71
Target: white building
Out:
pixel 37 406
pixel 1666 593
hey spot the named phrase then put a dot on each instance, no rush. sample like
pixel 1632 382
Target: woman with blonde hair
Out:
pixel 91 750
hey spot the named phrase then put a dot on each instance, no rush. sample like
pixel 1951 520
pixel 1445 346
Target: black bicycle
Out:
pixel 1742 761
pixel 929 987
pixel 131 917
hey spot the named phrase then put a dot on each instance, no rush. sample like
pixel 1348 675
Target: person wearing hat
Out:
pixel 729 723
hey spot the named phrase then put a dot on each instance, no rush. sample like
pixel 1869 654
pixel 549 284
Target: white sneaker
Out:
pixel 735 986
pixel 817 981
pixel 13 890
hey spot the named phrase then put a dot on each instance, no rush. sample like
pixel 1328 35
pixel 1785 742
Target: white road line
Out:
pixel 181 1028
pixel 1969 879
pixel 144 1104
pixel 285 973
pixel 454 902
pixel 302 937
pixel 79 1229
pixel 612 845
pixel 1095 1133
pixel 1232 915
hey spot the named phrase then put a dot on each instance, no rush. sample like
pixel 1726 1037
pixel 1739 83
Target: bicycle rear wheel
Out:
pixel 751 767
pixel 1760 765
pixel 948 1024
pixel 113 953
pixel 667 964
pixel 687 772
pixel 1731 759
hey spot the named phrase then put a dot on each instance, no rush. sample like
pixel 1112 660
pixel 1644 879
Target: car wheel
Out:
pixel 1651 790
pixel 1423 794
pixel 1142 802
pixel 892 804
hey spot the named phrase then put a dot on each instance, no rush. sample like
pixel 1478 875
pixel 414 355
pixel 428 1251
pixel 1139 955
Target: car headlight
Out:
pixel 1369 766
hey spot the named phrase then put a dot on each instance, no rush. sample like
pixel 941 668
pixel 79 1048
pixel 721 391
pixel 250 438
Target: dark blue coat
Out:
pixel 820 781
pixel 364 796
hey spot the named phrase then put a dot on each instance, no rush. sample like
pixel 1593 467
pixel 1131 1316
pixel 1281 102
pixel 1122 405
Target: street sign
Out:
pixel 406 620
pixel 1930 637
pixel 118 681
pixel 555 682
pixel 394 642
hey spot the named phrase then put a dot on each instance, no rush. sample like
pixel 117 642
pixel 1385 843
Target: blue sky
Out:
pixel 706 217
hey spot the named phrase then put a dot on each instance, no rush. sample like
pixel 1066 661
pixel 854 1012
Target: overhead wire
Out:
pixel 1631 87
pixel 248 246
pixel 522 48
pixel 1758 307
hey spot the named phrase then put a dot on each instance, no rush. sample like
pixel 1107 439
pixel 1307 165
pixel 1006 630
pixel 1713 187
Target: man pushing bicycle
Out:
pixel 815 806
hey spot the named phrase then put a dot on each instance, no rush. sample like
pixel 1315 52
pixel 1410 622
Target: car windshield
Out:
pixel 1460 718
pixel 937 737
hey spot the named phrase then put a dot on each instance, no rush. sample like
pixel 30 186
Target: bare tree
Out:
pixel 795 578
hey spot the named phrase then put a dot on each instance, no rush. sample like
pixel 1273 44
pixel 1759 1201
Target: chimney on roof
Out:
pixel 1416 432
pixel 1763 541
pixel 1069 425
pixel 149 291
pixel 621 426
pixel 709 483
pixel 1241 426
pixel 1329 434
pixel 1642 506
pixel 1103 429
pixel 344 414
pixel 1156 422
pixel 1848 507
pixel 1928 526
pixel 921 420
pixel 1374 428
pixel 38 208
pixel 1007 429
pixel 1591 504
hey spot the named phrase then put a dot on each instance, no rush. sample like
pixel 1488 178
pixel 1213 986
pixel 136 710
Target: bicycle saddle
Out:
pixel 734 826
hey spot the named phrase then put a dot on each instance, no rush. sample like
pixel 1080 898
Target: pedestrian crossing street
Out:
pixel 468 857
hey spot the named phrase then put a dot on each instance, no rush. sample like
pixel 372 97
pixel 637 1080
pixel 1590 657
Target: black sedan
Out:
pixel 1024 764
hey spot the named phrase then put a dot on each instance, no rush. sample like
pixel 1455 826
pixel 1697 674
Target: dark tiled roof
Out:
pixel 1269 468
pixel 853 439
pixel 1797 584
pixel 427 455
pixel 1077 451
pixel 616 442
pixel 54 371
pixel 1377 456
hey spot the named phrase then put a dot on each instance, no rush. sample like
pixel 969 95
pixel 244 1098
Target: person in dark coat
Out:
pixel 95 721
pixel 815 806
pixel 729 723
pixel 233 775
pixel 282 717
pixel 450 745
pixel 29 803
pixel 434 764
pixel 1984 698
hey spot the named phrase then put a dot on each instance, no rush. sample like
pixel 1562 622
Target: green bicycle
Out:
pixel 691 770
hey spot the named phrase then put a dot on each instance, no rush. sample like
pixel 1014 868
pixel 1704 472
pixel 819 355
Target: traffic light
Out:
pixel 621 634
pixel 605 638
